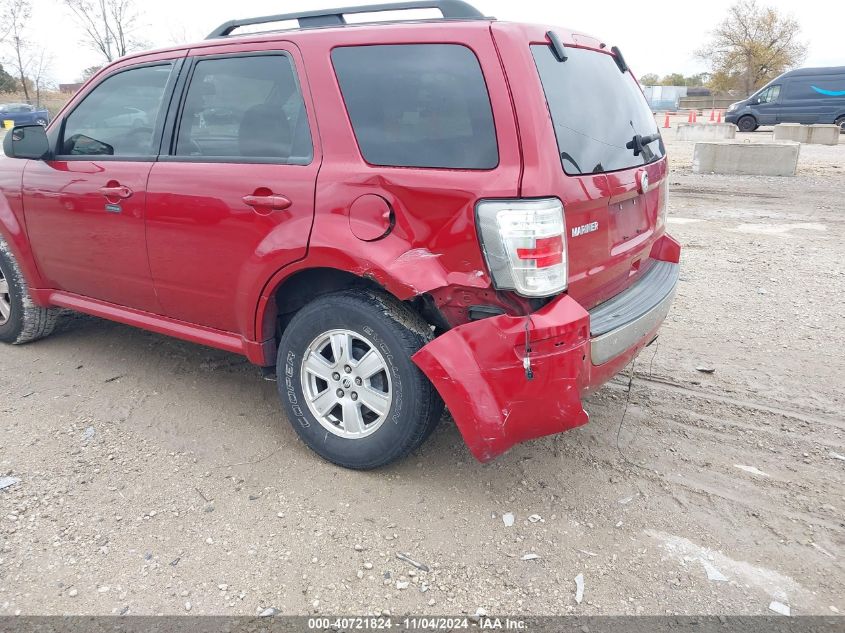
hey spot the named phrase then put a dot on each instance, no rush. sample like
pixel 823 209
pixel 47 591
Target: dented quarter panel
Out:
pixel 433 242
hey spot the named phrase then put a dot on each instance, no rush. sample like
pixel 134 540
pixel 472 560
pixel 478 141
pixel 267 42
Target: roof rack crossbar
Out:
pixel 451 9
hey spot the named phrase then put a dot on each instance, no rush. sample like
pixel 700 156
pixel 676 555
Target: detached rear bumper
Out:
pixel 478 367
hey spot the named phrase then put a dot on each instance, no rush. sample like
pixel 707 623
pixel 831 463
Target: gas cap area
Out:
pixel 370 217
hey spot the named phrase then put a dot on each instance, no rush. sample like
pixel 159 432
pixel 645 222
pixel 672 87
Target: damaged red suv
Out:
pixel 391 215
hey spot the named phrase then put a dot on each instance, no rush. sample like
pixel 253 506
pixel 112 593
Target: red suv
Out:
pixel 393 215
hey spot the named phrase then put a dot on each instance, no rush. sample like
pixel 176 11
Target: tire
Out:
pixel 747 123
pixel 21 321
pixel 348 433
pixel 841 123
pixel 41 122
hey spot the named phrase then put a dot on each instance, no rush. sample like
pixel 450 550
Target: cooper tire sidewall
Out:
pixel 11 329
pixel 394 432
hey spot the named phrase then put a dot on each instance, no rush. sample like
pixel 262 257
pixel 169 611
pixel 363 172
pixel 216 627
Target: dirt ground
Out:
pixel 157 476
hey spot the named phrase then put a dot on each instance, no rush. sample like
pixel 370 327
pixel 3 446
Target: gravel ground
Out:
pixel 161 477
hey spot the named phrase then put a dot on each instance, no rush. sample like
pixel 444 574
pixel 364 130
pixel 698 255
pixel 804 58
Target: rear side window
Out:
pixel 418 105
pixel 118 117
pixel 596 110
pixel 245 109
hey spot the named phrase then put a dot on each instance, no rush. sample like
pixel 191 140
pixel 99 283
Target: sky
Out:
pixel 656 37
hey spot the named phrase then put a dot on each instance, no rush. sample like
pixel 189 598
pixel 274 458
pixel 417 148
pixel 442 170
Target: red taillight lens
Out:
pixel 524 244
pixel 547 251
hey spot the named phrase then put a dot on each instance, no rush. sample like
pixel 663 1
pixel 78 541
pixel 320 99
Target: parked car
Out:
pixel 460 229
pixel 127 116
pixel 23 114
pixel 805 95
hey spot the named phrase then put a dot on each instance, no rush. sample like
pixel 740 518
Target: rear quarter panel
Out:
pixel 433 242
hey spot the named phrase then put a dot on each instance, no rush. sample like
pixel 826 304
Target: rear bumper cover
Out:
pixel 478 367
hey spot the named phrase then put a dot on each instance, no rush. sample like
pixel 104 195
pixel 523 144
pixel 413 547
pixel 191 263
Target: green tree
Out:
pixel 752 46
pixel 7 82
pixel 675 79
pixel 649 79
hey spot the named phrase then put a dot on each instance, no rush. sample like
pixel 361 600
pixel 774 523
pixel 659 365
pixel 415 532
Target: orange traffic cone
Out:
pixel 666 122
pixel 695 116
pixel 712 116
pixel 718 116
pixel 689 117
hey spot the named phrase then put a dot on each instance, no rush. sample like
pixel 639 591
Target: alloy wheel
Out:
pixel 5 299
pixel 346 383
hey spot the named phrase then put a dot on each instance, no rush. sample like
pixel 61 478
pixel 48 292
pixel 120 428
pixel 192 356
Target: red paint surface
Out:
pixel 193 256
pixel 370 217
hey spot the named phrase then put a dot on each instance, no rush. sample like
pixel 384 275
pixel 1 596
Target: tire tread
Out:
pixel 36 321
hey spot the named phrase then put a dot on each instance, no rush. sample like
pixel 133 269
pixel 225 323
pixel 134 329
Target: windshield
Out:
pixel 596 110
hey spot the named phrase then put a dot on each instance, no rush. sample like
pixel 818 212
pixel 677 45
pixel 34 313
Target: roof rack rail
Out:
pixel 451 10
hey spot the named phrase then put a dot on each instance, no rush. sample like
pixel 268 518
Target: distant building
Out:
pixel 664 97
pixel 69 88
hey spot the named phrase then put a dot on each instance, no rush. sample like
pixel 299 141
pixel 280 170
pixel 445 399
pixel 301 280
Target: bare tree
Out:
pixel 41 68
pixel 109 25
pixel 752 46
pixel 18 15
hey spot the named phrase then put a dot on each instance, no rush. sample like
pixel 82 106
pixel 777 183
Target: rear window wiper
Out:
pixel 639 142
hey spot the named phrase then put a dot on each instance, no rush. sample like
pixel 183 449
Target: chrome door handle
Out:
pixel 274 202
pixel 118 191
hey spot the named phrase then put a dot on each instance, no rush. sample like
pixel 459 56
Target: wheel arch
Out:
pixel 286 295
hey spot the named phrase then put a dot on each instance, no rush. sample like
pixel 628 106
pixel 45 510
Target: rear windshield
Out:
pixel 596 111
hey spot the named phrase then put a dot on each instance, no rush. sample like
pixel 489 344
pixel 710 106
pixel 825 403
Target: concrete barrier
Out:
pixel 825 134
pixel 819 134
pixel 753 159
pixel 705 131
pixel 791 132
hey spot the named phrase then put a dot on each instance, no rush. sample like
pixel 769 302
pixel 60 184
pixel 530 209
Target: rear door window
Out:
pixel 596 110
pixel 418 105
pixel 245 109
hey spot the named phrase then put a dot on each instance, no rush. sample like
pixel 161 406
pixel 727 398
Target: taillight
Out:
pixel 524 243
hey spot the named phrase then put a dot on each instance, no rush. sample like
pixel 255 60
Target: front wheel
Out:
pixel 347 381
pixel 841 123
pixel 747 124
pixel 21 321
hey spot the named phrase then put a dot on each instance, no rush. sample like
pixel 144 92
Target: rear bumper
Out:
pixel 478 367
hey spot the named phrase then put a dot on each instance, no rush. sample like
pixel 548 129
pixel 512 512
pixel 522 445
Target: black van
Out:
pixel 805 95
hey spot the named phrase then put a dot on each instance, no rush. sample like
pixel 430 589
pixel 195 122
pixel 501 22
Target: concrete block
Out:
pixel 705 131
pixel 825 134
pixel 754 159
pixel 792 132
pixel 816 134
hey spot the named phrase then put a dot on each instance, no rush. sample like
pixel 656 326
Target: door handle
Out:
pixel 273 202
pixel 117 191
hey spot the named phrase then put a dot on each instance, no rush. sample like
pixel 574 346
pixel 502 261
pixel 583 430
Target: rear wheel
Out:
pixel 21 321
pixel 747 123
pixel 841 123
pixel 347 381
pixel 41 122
